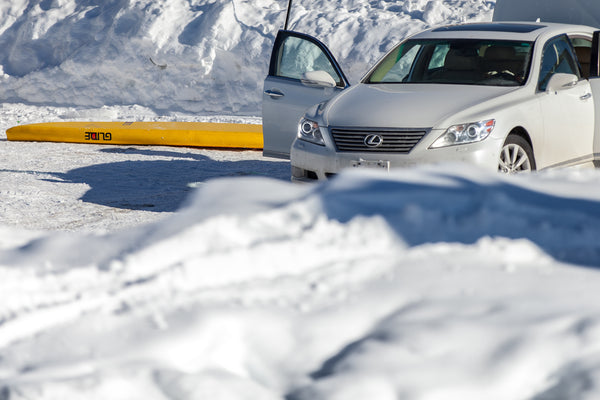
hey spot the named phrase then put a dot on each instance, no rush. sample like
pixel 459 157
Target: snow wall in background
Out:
pixel 199 56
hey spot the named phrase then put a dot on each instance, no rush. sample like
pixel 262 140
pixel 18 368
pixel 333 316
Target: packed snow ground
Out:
pixel 132 184
pixel 130 272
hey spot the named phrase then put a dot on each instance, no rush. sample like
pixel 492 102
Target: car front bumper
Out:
pixel 312 162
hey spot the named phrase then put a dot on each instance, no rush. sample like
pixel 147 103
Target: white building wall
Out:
pixel 581 12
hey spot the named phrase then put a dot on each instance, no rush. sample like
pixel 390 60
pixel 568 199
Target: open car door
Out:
pixel 302 73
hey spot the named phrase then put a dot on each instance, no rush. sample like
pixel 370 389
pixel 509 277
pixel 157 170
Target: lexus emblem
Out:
pixel 373 140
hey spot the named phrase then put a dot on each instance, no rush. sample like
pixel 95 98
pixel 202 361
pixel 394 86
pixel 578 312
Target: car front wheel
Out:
pixel 516 156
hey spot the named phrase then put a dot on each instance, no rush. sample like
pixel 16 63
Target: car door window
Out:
pixel 583 51
pixel 557 57
pixel 298 56
pixel 439 56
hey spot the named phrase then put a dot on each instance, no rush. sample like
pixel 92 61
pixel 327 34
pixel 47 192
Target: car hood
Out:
pixel 406 105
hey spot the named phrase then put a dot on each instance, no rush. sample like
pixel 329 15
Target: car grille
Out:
pixel 393 140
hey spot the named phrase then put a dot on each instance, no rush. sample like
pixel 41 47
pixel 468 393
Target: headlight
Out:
pixel 465 133
pixel 309 130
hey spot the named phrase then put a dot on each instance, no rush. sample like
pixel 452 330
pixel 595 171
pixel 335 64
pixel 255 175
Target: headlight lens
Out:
pixel 465 133
pixel 309 130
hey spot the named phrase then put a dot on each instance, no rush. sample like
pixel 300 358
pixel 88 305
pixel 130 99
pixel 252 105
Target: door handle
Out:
pixel 585 96
pixel 274 93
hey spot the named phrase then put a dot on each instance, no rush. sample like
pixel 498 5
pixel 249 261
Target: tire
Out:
pixel 516 156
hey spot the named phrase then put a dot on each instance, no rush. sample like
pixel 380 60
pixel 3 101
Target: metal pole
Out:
pixel 287 16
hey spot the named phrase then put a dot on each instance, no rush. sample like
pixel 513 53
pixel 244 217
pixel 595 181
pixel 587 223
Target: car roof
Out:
pixel 524 31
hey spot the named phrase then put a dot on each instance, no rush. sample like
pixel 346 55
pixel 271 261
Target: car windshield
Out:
pixel 456 61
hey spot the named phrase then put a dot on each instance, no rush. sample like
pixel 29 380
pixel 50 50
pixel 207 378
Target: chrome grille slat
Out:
pixel 394 140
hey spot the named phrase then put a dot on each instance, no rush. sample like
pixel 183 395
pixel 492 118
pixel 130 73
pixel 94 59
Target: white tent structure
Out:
pixel 581 12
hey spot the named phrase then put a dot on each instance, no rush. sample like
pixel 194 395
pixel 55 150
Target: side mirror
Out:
pixel 560 82
pixel 318 79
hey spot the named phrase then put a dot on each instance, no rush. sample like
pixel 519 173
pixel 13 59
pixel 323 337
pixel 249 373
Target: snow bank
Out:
pixel 424 283
pixel 206 56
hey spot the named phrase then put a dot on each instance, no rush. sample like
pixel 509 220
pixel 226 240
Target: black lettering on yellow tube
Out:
pixel 98 136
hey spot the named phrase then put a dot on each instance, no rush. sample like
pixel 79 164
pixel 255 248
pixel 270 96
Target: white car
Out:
pixel 507 96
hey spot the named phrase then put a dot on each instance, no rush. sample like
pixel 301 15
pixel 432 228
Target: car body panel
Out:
pixel 380 103
pixel 280 116
pixel 595 86
pixel 568 122
pixel 286 95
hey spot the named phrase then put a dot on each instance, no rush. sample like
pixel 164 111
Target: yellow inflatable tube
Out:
pixel 196 134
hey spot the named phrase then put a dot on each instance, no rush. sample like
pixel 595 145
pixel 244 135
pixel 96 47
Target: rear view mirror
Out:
pixel 560 82
pixel 318 78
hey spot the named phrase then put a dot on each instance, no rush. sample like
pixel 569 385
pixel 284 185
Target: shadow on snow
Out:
pixel 463 211
pixel 160 185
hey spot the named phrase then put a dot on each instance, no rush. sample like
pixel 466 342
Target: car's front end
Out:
pixel 314 162
pixel 435 125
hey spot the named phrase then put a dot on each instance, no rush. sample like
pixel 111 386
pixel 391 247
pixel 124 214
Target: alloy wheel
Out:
pixel 514 159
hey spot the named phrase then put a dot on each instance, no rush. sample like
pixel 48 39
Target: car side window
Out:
pixel 298 56
pixel 583 51
pixel 557 57
pixel 439 56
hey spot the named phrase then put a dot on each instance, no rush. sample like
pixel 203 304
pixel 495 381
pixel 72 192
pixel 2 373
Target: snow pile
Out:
pixel 205 56
pixel 422 284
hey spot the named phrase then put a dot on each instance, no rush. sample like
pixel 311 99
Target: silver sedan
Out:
pixel 503 96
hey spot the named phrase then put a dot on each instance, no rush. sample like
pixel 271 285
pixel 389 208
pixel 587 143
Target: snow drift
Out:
pixel 423 284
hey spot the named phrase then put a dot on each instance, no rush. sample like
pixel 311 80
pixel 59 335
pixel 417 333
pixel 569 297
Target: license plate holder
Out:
pixel 379 164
